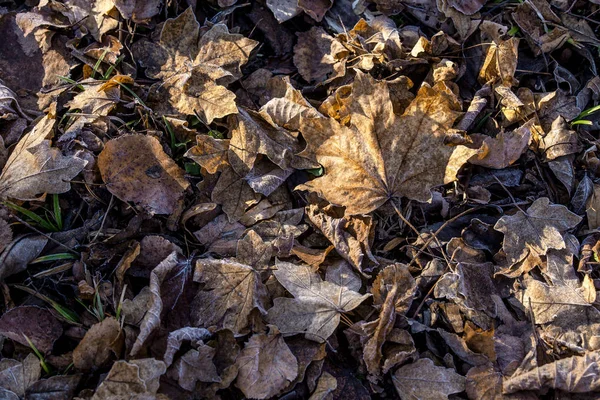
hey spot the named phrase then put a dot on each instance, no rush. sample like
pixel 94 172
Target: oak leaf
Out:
pixel 266 365
pixel 317 305
pixel 533 232
pixel 35 168
pixel 194 67
pixel 136 168
pixel 383 156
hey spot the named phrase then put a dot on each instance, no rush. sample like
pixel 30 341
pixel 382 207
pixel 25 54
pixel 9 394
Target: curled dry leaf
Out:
pixel 190 65
pixel 16 324
pixel 424 380
pixel 19 253
pixel 381 155
pixel 135 168
pixel 503 150
pixel 265 365
pixel 167 282
pixel 195 366
pixel 317 305
pixel 35 168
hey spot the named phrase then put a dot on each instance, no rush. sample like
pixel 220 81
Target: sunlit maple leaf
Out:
pixel 193 67
pixel 381 156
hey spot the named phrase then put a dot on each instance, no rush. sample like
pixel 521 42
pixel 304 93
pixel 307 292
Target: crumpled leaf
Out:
pixel 424 380
pixel 393 292
pixel 194 67
pixel 577 374
pixel 560 141
pixel 266 365
pixel 16 323
pixel 35 168
pixel 534 232
pixel 234 194
pixel 351 236
pixel 383 156
pixel 167 282
pixel 317 55
pixel 210 153
pixel 176 338
pixel 16 377
pixel 317 305
pixel 503 150
pixel 195 366
pixel 98 16
pixel 102 342
pixel 135 168
pixel 136 378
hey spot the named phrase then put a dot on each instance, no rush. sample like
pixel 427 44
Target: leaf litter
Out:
pixel 317 199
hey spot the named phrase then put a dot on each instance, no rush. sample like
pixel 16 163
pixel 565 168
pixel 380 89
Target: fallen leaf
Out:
pixel 503 150
pixel 138 378
pixel 101 343
pixel 34 167
pixel 382 156
pixel 196 366
pixel 135 168
pixel 424 380
pixel 266 365
pixel 317 305
pixel 210 153
pixel 16 377
pixel 139 11
pixel 16 324
pixel 190 64
pixel 231 291
pixel 535 231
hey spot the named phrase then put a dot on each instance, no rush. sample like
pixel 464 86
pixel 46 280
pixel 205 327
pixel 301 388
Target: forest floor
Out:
pixel 324 199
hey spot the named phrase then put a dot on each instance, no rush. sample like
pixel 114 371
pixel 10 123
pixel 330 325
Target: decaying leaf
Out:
pixel 16 377
pixel 102 342
pixel 35 168
pixel 317 305
pixel 383 156
pixel 135 168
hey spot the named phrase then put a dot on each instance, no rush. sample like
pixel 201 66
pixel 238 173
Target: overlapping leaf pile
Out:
pixel 322 199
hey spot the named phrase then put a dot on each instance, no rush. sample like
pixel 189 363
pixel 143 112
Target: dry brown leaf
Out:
pixel 133 379
pixel 98 16
pixel 503 150
pixel 190 64
pixel 19 253
pixel 138 10
pixel 317 56
pixel 317 305
pixel 101 343
pixel 97 99
pixel 351 236
pixel 176 338
pixel 135 168
pixel 195 366
pixel 326 385
pixel 234 194
pixel 210 153
pixel 393 292
pixel 534 232
pixel 383 156
pixel 16 324
pixel 16 377
pixel 35 168
pixel 266 366
pixel 251 136
pixel 424 380
pixel 231 291
pixel 501 63
pixel 560 141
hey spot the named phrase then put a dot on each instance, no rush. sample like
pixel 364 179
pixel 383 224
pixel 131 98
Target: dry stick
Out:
pixel 104 219
pixel 45 235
